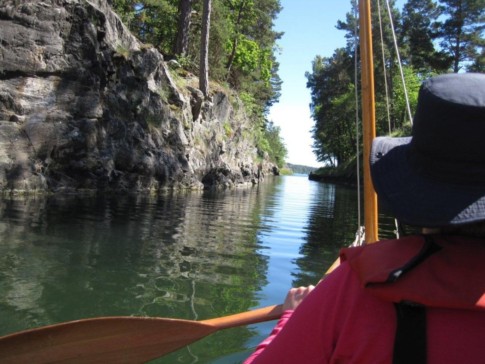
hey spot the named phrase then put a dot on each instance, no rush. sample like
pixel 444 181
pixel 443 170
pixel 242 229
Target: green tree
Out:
pixel 413 82
pixel 459 24
pixel 333 107
pixel 240 12
pixel 418 35
pixel 251 65
pixel 152 21
pixel 479 64
pixel 276 148
pixel 385 57
pixel 237 41
pixel 461 31
pixel 125 9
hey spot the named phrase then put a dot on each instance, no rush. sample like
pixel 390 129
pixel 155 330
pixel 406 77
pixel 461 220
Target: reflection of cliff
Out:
pixel 332 225
pixel 181 255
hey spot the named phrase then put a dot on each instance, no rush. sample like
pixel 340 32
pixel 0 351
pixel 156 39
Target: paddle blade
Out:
pixel 102 340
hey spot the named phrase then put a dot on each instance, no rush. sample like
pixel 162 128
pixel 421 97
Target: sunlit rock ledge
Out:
pixel 84 106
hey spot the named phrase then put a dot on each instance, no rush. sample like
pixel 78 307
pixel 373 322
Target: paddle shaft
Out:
pixel 117 339
pixel 246 318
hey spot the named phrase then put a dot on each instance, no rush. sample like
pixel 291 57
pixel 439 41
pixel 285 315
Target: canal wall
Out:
pixel 84 106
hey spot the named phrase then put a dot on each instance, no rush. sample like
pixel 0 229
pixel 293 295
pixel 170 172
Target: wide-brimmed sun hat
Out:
pixel 436 177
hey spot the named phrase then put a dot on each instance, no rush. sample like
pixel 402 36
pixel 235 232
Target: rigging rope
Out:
pixel 399 62
pixel 360 230
pixel 408 107
pixel 357 132
pixel 386 87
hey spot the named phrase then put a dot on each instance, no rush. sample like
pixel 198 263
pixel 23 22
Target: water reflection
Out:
pixel 332 224
pixel 185 255
pixel 71 257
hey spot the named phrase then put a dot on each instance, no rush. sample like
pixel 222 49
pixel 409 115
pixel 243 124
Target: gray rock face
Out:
pixel 85 106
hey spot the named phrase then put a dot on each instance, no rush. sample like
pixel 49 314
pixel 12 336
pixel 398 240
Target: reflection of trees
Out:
pixel 180 255
pixel 332 225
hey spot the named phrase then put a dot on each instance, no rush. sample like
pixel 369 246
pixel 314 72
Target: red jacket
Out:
pixel 349 317
pixel 452 276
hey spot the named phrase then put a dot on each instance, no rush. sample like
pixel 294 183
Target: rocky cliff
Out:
pixel 85 106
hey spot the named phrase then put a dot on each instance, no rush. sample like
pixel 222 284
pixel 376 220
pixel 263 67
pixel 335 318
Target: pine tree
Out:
pixel 418 34
pixel 333 107
pixel 461 32
pixel 479 64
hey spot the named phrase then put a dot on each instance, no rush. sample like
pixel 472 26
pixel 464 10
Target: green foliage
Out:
pixel 218 38
pixel 478 64
pixel 250 59
pixel 461 31
pixel 413 82
pixel 242 49
pixel 265 133
pixel 333 107
pixel 153 21
pixel 228 129
pixel 123 51
pixel 125 10
pixel 247 54
pixel 418 35
pixel 285 171
pixel 277 150
pixel 297 168
pixel 252 107
pixel 185 62
pixel 456 25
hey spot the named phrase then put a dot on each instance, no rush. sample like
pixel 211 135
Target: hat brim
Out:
pixel 416 199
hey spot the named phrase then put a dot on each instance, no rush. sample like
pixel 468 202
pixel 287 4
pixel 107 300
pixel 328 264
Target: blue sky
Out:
pixel 309 27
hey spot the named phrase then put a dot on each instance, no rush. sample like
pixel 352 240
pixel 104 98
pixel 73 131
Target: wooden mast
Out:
pixel 368 125
pixel 368 119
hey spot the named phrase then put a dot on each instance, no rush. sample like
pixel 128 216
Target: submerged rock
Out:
pixel 85 106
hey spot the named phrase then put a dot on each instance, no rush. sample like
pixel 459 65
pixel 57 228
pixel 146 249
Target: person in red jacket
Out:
pixel 420 298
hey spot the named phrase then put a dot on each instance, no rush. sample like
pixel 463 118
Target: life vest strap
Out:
pixel 410 339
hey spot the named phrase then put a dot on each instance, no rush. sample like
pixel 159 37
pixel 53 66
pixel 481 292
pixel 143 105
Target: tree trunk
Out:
pixel 232 56
pixel 182 43
pixel 204 49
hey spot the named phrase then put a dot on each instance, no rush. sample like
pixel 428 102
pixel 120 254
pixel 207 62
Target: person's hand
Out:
pixel 295 296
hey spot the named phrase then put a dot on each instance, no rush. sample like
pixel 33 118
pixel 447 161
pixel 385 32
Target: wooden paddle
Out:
pixel 117 339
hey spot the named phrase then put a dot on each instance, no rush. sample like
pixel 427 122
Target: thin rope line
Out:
pixel 384 68
pixel 399 63
pixel 357 131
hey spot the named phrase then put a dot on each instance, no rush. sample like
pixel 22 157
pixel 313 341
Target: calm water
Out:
pixel 191 255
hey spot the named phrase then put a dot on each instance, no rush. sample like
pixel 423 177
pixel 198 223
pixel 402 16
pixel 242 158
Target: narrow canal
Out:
pixel 194 256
